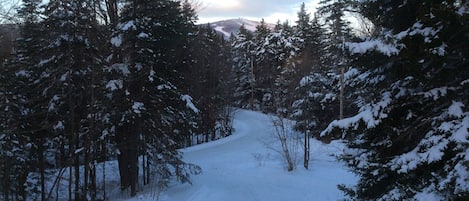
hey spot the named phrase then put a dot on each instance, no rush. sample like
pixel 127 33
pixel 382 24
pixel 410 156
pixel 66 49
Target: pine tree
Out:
pixel 145 89
pixel 316 93
pixel 333 13
pixel 262 30
pixel 243 62
pixel 411 136
pixel 17 144
pixel 304 29
pixel 209 80
pixel 54 75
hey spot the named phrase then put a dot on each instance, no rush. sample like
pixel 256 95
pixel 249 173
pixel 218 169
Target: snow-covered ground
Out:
pixel 245 166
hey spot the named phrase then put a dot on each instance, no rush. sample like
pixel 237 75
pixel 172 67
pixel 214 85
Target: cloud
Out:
pixel 270 10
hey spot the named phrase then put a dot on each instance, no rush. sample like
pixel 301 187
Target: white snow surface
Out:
pixel 370 45
pixel 189 104
pixel 242 167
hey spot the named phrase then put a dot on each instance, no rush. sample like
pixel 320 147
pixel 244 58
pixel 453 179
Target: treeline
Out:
pixel 93 81
pixel 295 70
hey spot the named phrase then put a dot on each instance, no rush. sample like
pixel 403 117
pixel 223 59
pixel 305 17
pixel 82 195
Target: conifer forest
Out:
pixel 134 81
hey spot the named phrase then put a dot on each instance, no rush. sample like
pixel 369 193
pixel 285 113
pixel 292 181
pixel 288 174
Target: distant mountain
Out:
pixel 226 27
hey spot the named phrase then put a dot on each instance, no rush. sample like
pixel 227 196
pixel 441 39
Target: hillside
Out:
pixel 226 27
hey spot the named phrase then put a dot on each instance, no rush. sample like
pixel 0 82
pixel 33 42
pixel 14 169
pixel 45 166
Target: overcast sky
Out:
pixel 270 10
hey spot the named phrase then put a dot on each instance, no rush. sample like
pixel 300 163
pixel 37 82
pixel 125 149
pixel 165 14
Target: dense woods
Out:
pixel 92 81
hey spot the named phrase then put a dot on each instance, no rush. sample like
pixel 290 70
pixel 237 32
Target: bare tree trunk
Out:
pixel 285 139
pixel 104 169
pixel 87 167
pixel 133 153
pixel 77 166
pixel 145 181
pixel 122 157
pixel 111 6
pixel 128 158
pixel 306 149
pixel 42 168
pixel 70 177
pixel 252 84
pixel 341 115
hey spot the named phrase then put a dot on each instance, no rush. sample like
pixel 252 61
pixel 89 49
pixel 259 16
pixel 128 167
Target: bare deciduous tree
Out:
pixel 289 141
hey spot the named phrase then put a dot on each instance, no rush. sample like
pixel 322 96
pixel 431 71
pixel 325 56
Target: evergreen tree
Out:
pixel 209 80
pixel 411 133
pixel 316 94
pixel 53 73
pixel 304 30
pixel 16 147
pixel 338 31
pixel 262 30
pixel 17 144
pixel 69 56
pixel 243 62
pixel 276 70
pixel 145 88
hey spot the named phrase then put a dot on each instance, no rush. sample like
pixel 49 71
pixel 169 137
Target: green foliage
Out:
pixel 415 139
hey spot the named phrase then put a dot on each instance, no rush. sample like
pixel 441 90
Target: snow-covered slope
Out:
pixel 226 27
pixel 243 167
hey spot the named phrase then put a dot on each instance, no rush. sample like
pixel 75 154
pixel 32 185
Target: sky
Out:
pixel 269 10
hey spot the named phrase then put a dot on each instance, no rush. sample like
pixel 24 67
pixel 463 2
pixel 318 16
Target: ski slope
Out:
pixel 246 167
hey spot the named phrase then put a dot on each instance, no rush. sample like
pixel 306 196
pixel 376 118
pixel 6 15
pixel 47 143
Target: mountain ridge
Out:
pixel 231 26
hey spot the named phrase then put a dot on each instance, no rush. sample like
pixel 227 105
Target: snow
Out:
pixel 462 178
pixel 427 196
pixel 120 67
pixel 143 35
pixel 464 82
pixel 114 85
pixel 464 9
pixel 371 115
pixel 242 167
pixel 52 104
pixel 370 45
pixel 456 109
pixel 22 73
pixel 248 24
pixel 461 133
pixel 45 61
pixel 189 104
pixel 128 25
pixel 59 126
pixel 116 41
pixel 441 50
pixel 221 30
pixel 436 93
pixel 138 107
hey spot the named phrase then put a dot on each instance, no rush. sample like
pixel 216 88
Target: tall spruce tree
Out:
pixel 243 48
pixel 18 145
pixel 68 57
pixel 277 70
pixel 304 30
pixel 316 92
pixel 50 76
pixel 145 88
pixel 338 30
pixel 209 80
pixel 411 135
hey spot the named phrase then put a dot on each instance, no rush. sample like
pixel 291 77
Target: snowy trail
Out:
pixel 242 168
pixel 232 172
